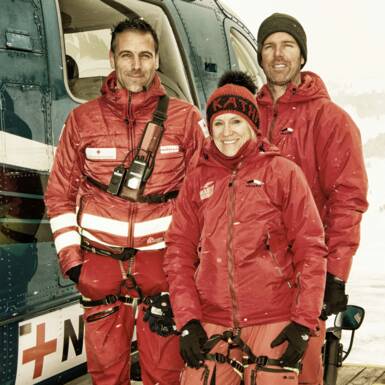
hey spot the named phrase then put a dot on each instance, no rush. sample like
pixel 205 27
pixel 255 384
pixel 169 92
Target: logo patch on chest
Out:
pixel 207 190
pixel 169 149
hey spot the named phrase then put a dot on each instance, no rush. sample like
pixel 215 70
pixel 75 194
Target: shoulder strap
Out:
pixel 160 114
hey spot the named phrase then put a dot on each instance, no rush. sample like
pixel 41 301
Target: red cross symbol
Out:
pixel 38 352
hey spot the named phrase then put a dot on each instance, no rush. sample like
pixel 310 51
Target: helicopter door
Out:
pixel 86 27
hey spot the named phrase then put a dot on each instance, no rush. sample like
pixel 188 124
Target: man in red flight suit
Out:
pixel 110 245
pixel 297 115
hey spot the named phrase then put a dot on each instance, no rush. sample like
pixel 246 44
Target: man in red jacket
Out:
pixel 110 198
pixel 297 115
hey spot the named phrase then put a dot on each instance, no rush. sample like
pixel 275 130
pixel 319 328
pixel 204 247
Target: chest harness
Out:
pixel 234 341
pixel 129 183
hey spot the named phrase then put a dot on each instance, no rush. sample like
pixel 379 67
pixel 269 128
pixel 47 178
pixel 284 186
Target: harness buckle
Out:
pixel 261 360
pixel 220 358
pixel 110 299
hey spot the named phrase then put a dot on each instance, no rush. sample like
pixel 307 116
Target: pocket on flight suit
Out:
pixel 108 333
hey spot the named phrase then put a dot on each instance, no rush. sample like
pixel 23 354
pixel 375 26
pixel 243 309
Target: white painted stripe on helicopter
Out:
pixel 70 238
pixel 107 225
pixel 21 195
pixel 154 226
pixel 22 152
pixel 64 220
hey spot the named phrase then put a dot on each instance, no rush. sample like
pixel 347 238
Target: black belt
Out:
pixel 108 300
pixel 153 198
pixel 122 254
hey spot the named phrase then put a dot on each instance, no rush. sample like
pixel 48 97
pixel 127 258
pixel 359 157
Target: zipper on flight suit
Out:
pixel 131 142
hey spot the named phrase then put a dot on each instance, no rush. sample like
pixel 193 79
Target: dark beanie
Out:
pixel 233 95
pixel 280 22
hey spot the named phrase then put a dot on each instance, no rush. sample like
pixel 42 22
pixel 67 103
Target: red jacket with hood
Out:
pixel 98 136
pixel 323 140
pixel 260 241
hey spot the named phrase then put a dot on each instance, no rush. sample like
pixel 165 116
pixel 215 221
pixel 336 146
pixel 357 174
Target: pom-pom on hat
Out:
pixel 235 94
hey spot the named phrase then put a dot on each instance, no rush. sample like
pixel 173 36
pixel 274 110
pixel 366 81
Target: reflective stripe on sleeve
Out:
pixel 70 238
pixel 61 221
pixel 156 246
pixel 107 225
pixel 153 226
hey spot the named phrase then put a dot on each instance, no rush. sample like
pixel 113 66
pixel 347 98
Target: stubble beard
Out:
pixel 288 80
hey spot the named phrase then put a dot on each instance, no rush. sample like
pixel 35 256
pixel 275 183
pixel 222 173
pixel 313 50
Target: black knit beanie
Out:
pixel 280 22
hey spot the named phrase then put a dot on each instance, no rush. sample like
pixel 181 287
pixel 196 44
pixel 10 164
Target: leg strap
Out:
pixel 249 358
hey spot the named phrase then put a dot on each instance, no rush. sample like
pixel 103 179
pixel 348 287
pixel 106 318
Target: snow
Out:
pixel 366 286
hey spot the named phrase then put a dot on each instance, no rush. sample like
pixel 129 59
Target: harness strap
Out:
pixel 235 341
pixel 108 300
pixel 119 253
pixel 222 359
pixel 151 198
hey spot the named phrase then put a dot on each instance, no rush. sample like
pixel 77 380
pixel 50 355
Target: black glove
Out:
pixel 298 337
pixel 159 314
pixel 74 273
pixel 191 341
pixel 335 299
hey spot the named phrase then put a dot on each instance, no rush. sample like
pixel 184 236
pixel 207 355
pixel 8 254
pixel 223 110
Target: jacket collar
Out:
pixel 311 87
pixel 129 105
pixel 251 150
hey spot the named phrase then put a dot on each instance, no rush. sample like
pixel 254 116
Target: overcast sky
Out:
pixel 346 38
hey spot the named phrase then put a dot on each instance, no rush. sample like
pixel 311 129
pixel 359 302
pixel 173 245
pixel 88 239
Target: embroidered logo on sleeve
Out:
pixel 94 153
pixel 203 126
pixel 169 149
pixel 207 190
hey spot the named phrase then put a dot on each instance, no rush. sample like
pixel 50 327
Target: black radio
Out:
pixel 116 180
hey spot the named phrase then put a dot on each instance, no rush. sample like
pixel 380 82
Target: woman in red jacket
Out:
pixel 246 253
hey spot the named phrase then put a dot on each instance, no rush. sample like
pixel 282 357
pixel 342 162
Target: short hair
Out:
pixel 136 24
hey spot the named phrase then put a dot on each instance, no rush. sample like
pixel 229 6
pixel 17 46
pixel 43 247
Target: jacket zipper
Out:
pixel 272 123
pixel 230 253
pixel 131 141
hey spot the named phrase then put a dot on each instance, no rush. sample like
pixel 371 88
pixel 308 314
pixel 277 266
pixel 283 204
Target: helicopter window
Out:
pixel 87 34
pixel 246 56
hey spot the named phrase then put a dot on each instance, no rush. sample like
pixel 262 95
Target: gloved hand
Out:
pixel 191 341
pixel 335 299
pixel 298 338
pixel 74 273
pixel 159 314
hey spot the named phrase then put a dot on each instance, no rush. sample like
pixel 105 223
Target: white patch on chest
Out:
pixel 94 153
